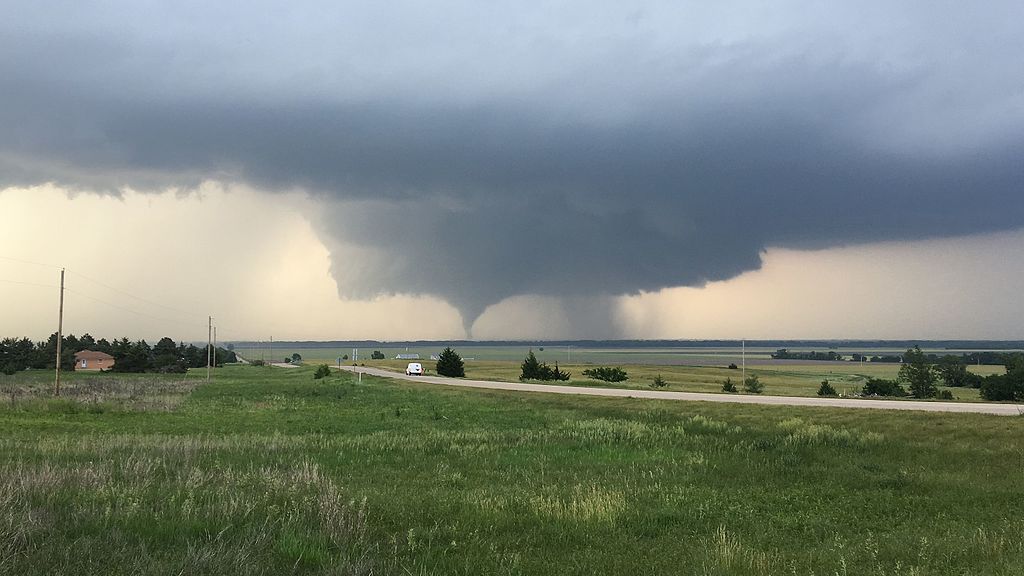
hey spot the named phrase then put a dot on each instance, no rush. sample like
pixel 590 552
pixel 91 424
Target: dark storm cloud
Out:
pixel 633 160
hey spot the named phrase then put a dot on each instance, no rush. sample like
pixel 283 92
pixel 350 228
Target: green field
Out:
pixel 266 471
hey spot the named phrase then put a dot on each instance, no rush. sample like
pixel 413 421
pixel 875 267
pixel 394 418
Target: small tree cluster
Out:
pixel 450 364
pixel 532 369
pixel 377 355
pixel 606 374
pixel 1009 386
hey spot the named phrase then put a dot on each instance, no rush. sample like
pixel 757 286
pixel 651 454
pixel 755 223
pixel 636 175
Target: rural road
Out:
pixel 963 407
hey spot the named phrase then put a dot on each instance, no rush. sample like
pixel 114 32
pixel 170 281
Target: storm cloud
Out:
pixel 482 152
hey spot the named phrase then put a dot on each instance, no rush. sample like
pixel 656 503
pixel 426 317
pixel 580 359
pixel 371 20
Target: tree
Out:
pixel 530 368
pixel 658 382
pixel 377 355
pixel 918 373
pixel 826 389
pixel 322 371
pixel 296 358
pixel 450 364
pixel 753 385
pixel 728 386
pixel 953 371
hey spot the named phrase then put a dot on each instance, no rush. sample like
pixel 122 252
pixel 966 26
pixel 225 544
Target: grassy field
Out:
pixel 780 380
pixel 266 471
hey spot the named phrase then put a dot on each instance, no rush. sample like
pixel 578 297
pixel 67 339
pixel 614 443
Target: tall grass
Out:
pixel 269 472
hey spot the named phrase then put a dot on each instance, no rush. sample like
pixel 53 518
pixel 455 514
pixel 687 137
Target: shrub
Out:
pixel 321 371
pixel 450 364
pixel 606 374
pixel 658 382
pixel 733 366
pixel 826 389
pixel 377 355
pixel 728 386
pixel 753 385
pixel 944 395
pixel 882 387
pixel 1002 387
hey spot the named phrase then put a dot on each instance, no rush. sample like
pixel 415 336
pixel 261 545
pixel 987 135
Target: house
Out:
pixel 92 360
pixel 407 357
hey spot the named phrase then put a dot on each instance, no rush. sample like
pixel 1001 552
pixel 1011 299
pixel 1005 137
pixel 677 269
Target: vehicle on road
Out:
pixel 414 369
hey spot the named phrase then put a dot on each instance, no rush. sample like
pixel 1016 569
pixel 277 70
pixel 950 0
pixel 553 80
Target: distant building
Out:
pixel 407 357
pixel 92 360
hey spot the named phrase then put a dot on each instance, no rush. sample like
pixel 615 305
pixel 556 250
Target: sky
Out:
pixel 448 170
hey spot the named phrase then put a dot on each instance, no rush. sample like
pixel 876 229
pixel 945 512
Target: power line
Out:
pixel 130 295
pixel 21 261
pixel 129 310
pixel 28 283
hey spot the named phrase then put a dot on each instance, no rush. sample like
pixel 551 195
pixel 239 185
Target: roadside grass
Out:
pixel 267 471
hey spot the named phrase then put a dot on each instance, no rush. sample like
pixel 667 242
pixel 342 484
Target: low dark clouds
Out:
pixel 558 157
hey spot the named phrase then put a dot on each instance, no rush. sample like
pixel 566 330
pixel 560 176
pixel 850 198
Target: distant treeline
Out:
pixel 166 356
pixel 989 358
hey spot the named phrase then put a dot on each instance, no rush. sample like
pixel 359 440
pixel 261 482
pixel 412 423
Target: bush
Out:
pixel 753 385
pixel 450 364
pixel 606 374
pixel 944 395
pixel 321 371
pixel 826 389
pixel 882 387
pixel 728 386
pixel 733 366
pixel 658 382
pixel 377 355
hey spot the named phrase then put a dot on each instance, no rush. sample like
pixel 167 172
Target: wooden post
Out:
pixel 60 335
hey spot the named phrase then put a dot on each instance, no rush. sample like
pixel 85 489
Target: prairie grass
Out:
pixel 266 471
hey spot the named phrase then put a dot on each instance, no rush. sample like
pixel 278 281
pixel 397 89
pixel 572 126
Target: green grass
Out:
pixel 267 471
pixel 781 380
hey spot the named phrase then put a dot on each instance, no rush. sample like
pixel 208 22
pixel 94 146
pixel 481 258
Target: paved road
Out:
pixel 975 407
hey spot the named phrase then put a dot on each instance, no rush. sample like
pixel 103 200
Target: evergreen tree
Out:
pixel 531 368
pixel 450 364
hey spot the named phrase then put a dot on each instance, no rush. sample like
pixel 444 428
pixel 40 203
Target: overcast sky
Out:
pixel 502 170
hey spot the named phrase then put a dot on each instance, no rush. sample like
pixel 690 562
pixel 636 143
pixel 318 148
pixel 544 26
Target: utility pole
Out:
pixel 60 335
pixel 209 340
pixel 271 349
pixel 214 346
pixel 744 361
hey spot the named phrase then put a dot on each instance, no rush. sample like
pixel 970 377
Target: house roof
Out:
pixel 92 355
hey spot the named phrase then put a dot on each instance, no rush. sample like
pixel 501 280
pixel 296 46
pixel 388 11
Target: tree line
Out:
pixel 17 354
pixel 922 372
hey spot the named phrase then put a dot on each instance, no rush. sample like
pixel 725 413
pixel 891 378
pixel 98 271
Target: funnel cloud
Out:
pixel 480 153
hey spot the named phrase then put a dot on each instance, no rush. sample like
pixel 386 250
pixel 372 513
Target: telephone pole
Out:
pixel 60 335
pixel 214 346
pixel 209 340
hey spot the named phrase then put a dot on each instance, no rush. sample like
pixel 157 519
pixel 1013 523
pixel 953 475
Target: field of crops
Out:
pixel 268 471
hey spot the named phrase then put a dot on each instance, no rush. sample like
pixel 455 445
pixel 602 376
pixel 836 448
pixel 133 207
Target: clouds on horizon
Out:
pixel 480 153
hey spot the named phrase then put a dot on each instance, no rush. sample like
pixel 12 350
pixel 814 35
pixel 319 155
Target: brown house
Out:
pixel 91 360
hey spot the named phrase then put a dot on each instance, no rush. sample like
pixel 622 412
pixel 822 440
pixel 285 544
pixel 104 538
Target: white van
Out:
pixel 414 369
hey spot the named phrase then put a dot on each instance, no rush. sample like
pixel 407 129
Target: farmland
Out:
pixel 683 370
pixel 266 470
